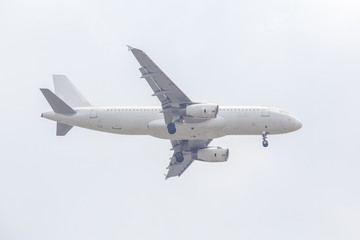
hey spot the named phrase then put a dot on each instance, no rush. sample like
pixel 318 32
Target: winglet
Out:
pixel 129 48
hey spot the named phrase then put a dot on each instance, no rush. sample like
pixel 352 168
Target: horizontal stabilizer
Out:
pixel 62 129
pixel 58 105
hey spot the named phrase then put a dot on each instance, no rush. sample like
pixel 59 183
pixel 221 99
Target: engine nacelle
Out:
pixel 205 111
pixel 213 154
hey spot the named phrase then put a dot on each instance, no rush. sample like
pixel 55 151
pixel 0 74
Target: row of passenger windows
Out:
pixel 132 109
pixel 240 109
pixel 154 109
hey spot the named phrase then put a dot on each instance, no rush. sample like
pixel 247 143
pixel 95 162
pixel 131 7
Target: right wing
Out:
pixel 188 149
pixel 176 169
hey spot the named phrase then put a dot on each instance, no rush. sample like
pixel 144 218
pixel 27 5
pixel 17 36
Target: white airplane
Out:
pixel 190 126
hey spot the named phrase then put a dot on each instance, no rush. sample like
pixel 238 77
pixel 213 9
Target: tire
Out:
pixel 265 143
pixel 179 157
pixel 171 128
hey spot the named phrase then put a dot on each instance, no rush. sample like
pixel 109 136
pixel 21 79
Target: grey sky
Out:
pixel 302 56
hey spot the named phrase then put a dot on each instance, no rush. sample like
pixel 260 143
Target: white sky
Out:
pixel 302 56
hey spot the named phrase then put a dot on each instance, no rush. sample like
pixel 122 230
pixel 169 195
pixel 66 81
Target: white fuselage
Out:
pixel 148 120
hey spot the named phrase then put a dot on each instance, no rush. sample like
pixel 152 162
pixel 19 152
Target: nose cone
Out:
pixel 297 124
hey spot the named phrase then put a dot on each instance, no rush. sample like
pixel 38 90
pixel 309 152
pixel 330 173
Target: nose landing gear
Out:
pixel 265 143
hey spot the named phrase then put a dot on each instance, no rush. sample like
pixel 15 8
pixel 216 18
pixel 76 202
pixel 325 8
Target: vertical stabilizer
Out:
pixel 68 92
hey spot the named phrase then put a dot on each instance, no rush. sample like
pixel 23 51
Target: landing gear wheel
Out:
pixel 171 128
pixel 179 157
pixel 265 143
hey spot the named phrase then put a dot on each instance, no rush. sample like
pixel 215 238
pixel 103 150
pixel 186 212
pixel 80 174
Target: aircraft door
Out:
pixel 117 125
pixel 265 112
pixel 93 114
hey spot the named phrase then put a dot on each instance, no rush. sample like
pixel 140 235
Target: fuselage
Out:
pixel 148 120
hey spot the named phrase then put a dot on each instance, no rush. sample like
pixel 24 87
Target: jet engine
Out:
pixel 213 154
pixel 205 111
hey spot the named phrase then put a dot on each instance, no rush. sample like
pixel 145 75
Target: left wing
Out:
pixel 184 155
pixel 170 96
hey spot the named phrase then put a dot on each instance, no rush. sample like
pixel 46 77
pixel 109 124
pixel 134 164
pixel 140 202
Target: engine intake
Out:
pixel 213 154
pixel 204 111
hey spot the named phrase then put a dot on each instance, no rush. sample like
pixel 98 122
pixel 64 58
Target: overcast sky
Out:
pixel 301 56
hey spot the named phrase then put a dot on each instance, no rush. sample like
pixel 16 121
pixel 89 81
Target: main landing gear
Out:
pixel 179 157
pixel 265 143
pixel 171 128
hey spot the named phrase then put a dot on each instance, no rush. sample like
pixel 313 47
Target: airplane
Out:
pixel 190 126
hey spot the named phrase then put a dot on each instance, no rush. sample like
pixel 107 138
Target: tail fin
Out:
pixel 58 105
pixel 68 92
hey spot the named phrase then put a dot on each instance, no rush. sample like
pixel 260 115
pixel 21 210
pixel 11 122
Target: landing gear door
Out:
pixel 93 114
pixel 265 112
